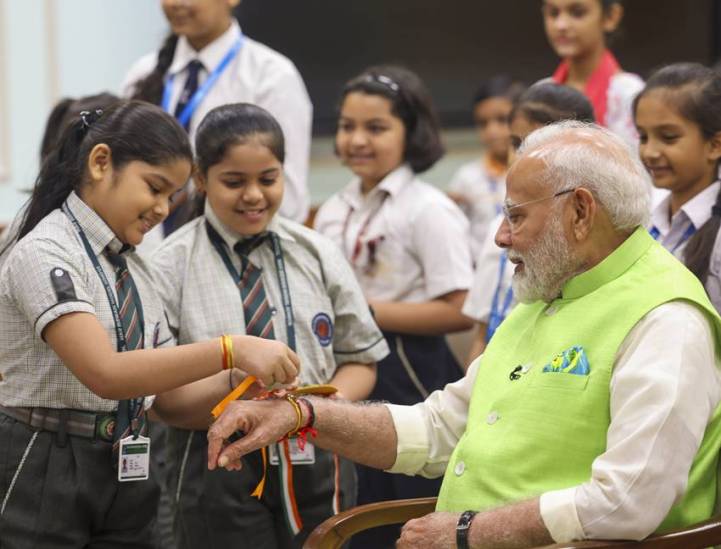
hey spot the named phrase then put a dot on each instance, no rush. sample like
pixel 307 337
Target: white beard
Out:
pixel 547 266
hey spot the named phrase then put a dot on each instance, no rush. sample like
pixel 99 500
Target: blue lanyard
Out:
pixel 496 316
pixel 203 90
pixel 655 233
pixel 217 242
pixel 122 344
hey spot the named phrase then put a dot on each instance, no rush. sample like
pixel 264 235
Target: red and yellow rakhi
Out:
pixel 285 466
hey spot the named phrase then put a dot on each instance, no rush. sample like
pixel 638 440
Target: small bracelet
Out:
pixel 226 343
pixel 311 412
pixel 290 398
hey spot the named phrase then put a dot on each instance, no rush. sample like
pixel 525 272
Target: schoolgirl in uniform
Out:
pixel 80 317
pixel 408 245
pixel 242 268
pixel 478 187
pixel 577 31
pixel 490 298
pixel 678 116
pixel 207 61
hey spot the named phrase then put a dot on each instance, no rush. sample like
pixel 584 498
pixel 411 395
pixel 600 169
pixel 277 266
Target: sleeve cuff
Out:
pixel 413 444
pixel 60 309
pixel 558 511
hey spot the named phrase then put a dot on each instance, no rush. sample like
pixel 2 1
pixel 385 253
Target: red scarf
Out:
pixel 597 86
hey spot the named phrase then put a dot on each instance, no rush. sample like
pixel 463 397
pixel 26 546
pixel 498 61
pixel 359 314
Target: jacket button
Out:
pixel 492 418
pixel 552 310
pixel 459 468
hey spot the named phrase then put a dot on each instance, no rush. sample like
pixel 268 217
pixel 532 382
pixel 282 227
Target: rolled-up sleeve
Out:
pixel 664 390
pixel 429 431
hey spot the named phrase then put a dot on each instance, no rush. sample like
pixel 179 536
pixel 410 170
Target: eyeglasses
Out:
pixel 507 210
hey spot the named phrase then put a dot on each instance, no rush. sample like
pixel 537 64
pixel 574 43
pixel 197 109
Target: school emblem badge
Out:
pixel 323 328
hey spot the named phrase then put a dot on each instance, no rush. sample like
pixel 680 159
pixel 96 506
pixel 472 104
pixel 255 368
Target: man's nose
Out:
pixel 503 234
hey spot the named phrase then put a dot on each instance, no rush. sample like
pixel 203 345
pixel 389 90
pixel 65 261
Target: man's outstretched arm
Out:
pixel 364 433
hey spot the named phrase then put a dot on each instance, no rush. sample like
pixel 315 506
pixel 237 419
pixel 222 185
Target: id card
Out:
pixel 134 459
pixel 306 456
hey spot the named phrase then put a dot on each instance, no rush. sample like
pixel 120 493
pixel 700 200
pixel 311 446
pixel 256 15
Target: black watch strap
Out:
pixel 463 527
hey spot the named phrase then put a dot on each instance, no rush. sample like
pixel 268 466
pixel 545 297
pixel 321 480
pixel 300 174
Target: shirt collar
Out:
pixel 393 184
pixel 98 233
pixel 210 56
pixel 611 267
pixel 231 238
pixel 697 210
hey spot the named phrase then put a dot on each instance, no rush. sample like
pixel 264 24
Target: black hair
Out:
pixel 133 130
pixel 65 111
pixel 150 88
pixel 547 102
pixel 229 125
pixel 411 102
pixel 695 92
pixel 500 85
pixel 234 124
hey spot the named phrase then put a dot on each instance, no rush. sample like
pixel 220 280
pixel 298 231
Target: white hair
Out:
pixel 578 154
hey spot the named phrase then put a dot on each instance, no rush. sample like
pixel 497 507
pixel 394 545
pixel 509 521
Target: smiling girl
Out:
pixel 408 244
pixel 577 31
pixel 81 322
pixel 241 268
pixel 678 116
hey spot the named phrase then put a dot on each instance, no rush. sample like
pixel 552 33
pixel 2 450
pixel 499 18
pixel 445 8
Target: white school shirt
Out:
pixel 622 90
pixel 31 298
pixel 658 418
pixel 483 194
pixel 673 234
pixel 413 241
pixel 333 324
pixel 485 278
pixel 257 75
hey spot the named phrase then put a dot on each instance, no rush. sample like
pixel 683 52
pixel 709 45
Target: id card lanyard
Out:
pixel 655 234
pixel 498 315
pixel 217 242
pixel 137 403
pixel 203 90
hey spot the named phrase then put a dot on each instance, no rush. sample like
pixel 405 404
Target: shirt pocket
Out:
pixel 559 381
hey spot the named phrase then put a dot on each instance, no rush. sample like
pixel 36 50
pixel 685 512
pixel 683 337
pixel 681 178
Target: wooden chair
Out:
pixel 337 530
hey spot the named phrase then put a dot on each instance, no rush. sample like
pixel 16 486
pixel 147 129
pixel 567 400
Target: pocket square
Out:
pixel 571 361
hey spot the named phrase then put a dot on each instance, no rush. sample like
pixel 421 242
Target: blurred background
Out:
pixel 50 49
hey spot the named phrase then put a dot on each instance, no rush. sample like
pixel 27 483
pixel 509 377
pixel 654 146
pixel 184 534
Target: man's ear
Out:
pixel 100 161
pixel 584 212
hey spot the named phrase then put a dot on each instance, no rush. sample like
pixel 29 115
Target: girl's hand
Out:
pixel 269 360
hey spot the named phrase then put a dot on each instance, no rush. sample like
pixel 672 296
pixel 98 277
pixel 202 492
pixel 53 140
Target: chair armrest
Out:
pixel 335 531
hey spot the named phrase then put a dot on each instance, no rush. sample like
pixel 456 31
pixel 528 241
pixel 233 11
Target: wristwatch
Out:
pixel 464 525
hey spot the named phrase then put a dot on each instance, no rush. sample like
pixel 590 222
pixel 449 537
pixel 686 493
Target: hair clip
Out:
pixel 387 81
pixel 88 118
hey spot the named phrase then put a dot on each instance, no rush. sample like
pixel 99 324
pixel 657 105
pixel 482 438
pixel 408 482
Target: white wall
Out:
pixel 50 49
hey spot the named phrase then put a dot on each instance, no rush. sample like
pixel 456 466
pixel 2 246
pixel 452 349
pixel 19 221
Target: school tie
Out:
pixel 257 310
pixel 191 86
pixel 133 324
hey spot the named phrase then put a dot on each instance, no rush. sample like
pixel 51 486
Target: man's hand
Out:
pixel 263 422
pixel 269 360
pixel 434 531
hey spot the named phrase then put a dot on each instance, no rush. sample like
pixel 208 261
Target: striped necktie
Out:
pixel 191 86
pixel 257 310
pixel 133 324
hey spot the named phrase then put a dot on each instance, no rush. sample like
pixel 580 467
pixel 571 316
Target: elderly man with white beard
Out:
pixel 593 412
